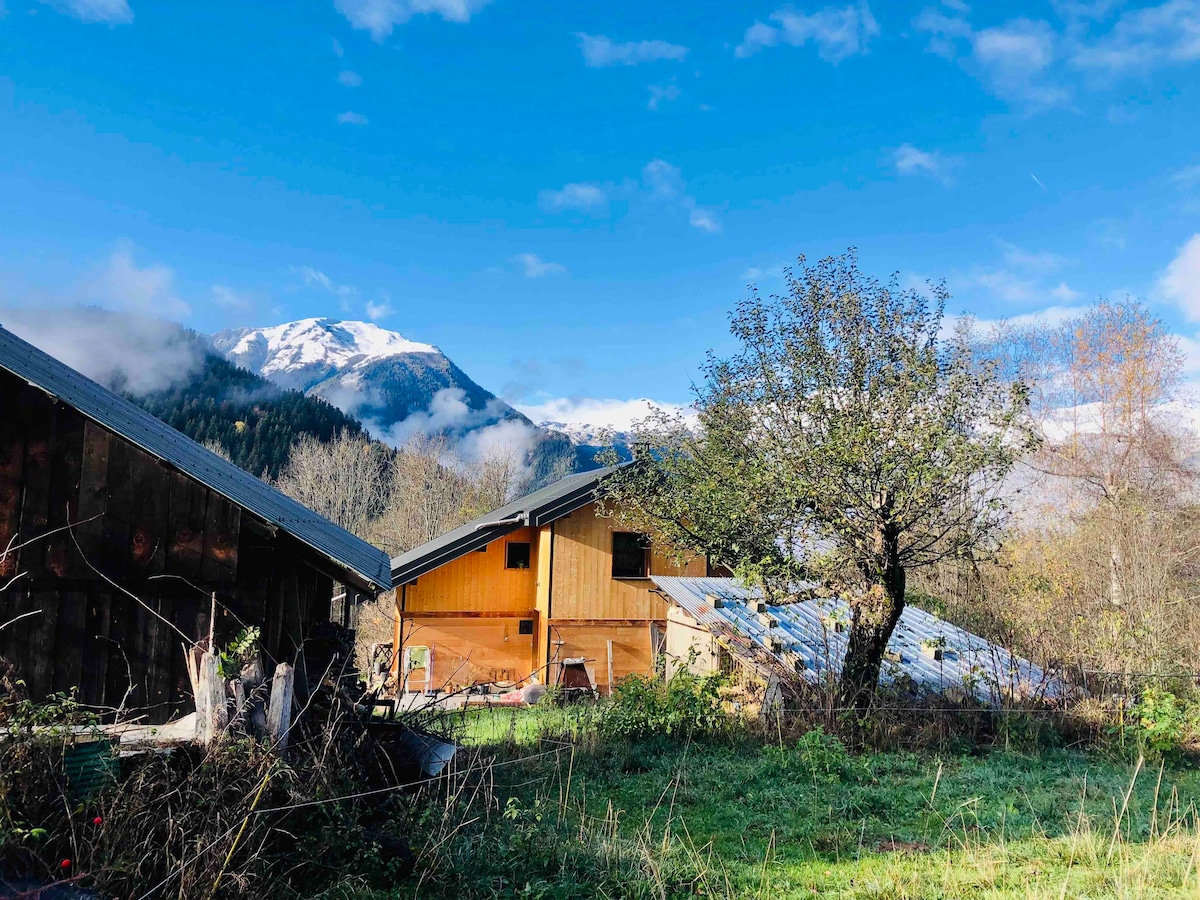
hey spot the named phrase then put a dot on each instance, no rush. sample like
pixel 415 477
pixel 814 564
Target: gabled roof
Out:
pixel 541 507
pixel 367 566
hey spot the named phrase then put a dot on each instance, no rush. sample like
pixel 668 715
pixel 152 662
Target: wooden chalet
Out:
pixel 516 592
pixel 120 536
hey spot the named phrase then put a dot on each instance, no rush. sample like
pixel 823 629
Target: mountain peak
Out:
pixel 301 353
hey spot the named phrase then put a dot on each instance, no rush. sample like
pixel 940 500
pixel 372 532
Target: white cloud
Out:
pixel 661 184
pixel 135 352
pixel 704 219
pixel 1006 286
pixel 380 16
pixel 1143 38
pixel 1031 63
pixel 316 278
pixel 1187 176
pixel 665 183
pixel 379 310
pixel 1065 293
pixel 599 51
pixel 1180 283
pixel 593 413
pixel 661 92
pixel 1190 348
pixel 347 78
pixel 1044 318
pixel 764 273
pixel 910 160
pixel 1035 261
pixel 150 290
pixel 837 32
pixel 227 298
pixel 352 118
pixel 476 434
pixel 108 12
pixel 313 276
pixel 535 267
pixel 584 197
pixel 1013 59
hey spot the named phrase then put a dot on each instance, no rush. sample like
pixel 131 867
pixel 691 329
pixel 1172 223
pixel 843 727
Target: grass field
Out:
pixel 670 817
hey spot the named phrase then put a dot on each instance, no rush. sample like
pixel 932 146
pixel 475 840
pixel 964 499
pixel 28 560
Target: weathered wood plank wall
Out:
pixel 165 538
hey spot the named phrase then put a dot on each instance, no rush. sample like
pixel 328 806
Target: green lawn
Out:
pixel 668 817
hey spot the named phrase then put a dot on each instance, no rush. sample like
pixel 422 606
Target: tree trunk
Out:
pixel 874 618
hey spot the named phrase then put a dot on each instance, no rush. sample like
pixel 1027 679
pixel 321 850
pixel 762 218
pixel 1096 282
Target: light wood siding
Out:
pixel 545 537
pixel 631 650
pixel 690 645
pixel 478 581
pixel 583 584
pixel 471 651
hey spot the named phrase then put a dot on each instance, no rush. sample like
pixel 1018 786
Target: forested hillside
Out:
pixel 254 421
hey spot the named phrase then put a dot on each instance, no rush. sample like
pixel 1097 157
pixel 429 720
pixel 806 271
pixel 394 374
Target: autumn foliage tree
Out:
pixel 846 420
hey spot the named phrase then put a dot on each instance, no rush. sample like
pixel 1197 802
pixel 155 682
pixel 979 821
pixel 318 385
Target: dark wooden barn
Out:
pixel 115 533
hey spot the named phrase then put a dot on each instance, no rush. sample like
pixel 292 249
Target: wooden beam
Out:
pixel 607 621
pixel 610 666
pixel 471 614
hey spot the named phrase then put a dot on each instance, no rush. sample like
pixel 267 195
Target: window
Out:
pixel 482 549
pixel 516 555
pixel 525 626
pixel 631 555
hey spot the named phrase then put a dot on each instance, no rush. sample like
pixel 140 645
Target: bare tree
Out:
pixel 1101 575
pixel 345 479
pixel 213 446
pixel 427 495
pixel 1111 446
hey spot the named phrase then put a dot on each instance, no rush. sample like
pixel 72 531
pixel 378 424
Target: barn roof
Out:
pixel 541 507
pixel 365 565
pixel 810 637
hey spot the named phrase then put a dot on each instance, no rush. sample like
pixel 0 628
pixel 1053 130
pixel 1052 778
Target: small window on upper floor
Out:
pixel 516 555
pixel 631 555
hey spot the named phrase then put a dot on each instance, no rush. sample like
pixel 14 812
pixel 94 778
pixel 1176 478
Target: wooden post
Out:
pixel 210 705
pixel 212 622
pixel 191 659
pixel 253 680
pixel 239 700
pixel 610 668
pixel 279 714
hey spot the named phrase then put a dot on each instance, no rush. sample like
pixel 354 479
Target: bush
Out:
pixel 33 787
pixel 643 706
pixel 236 816
pixel 1159 724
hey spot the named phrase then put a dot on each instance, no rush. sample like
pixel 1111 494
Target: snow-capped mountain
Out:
pixel 367 371
pixel 397 387
pixel 302 354
pixel 598 422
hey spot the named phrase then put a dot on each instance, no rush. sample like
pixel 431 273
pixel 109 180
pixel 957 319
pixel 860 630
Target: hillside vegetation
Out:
pixel 252 420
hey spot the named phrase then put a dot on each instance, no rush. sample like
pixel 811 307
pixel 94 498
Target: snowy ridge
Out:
pixel 597 421
pixel 313 345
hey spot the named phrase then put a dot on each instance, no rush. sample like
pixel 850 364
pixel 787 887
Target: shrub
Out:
pixel 643 706
pixel 1159 722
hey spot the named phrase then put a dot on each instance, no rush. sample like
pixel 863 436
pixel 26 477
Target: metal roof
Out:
pixel 541 507
pixel 813 646
pixel 367 566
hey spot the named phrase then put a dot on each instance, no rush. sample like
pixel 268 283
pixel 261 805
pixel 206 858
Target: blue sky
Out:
pixel 567 199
